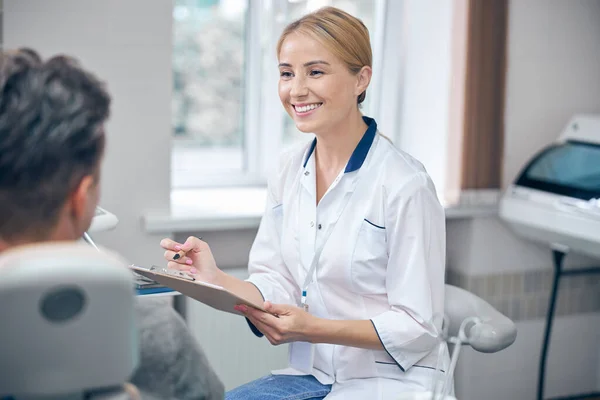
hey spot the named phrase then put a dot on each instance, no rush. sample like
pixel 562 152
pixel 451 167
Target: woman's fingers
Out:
pixel 169 244
pixel 178 257
pixel 261 316
pixel 178 252
pixel 264 328
pixel 181 267
pixel 261 321
pixel 193 244
pixel 274 337
pixel 264 319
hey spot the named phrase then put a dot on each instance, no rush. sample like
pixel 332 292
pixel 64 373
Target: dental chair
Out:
pixel 493 333
pixel 470 321
pixel 67 324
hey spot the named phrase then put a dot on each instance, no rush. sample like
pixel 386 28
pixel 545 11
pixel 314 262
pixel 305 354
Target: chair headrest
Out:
pixel 68 323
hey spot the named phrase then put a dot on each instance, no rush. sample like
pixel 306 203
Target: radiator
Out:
pixel 236 355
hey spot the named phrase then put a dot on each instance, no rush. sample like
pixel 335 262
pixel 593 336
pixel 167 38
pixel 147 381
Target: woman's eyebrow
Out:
pixel 307 64
pixel 315 62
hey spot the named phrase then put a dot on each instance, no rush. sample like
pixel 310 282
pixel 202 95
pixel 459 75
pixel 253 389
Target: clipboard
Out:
pixel 213 296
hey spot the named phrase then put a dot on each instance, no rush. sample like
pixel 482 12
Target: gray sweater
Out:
pixel 172 365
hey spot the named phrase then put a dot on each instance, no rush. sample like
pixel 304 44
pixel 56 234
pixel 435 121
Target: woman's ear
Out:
pixel 363 79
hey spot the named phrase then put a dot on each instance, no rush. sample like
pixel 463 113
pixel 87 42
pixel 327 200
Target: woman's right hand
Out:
pixel 197 260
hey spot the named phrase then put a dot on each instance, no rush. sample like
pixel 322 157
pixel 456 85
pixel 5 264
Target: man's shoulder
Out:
pixel 169 353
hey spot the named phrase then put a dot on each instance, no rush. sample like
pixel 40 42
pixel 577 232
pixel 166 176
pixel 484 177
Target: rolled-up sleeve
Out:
pixel 416 236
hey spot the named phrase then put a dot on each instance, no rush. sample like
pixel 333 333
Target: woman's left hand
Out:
pixel 292 323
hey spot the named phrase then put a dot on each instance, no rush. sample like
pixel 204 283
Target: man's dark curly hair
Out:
pixel 51 136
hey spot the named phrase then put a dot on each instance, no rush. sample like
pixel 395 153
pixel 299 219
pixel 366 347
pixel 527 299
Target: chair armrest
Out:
pixel 495 332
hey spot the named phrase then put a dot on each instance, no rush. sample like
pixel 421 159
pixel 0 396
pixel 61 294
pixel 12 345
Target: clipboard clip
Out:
pixel 173 272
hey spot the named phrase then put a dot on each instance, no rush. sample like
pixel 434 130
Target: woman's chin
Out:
pixel 303 130
pixel 306 127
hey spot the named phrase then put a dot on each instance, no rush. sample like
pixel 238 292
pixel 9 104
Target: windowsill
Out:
pixel 197 210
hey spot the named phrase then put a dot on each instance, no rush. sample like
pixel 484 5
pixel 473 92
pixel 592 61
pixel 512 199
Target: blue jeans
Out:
pixel 280 387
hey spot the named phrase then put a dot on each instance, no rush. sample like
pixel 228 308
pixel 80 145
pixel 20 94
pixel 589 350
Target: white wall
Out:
pixel 426 85
pixel 128 45
pixel 512 373
pixel 456 99
pixel 486 246
pixel 553 73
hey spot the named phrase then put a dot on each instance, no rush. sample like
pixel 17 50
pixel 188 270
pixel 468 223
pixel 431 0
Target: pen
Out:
pixel 181 253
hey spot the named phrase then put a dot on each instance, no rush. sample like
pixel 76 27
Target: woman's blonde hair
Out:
pixel 343 35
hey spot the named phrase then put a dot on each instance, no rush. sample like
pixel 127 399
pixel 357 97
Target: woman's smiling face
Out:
pixel 316 88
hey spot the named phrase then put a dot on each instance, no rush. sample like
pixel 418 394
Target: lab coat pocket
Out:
pixel 369 260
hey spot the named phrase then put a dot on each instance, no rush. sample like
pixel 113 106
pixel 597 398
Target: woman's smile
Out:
pixel 306 109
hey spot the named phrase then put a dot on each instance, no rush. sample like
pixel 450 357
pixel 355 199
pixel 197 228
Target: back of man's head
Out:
pixel 51 143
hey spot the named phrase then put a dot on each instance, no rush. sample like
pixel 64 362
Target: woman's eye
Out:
pixel 285 74
pixel 316 72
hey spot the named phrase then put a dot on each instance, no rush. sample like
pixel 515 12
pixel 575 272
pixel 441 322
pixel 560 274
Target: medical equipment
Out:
pixel 68 323
pixel 555 200
pixel 458 341
pixel 103 221
pixel 469 320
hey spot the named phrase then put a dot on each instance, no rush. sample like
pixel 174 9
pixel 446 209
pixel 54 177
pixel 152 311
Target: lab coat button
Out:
pixel 312 224
pixel 319 226
pixel 306 173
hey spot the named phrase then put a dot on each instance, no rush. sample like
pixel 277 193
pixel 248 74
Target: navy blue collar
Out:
pixel 360 152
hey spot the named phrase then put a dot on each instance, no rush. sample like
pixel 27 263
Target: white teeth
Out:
pixel 308 107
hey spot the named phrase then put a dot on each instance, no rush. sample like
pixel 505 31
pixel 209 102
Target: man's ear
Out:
pixel 81 197
pixel 363 79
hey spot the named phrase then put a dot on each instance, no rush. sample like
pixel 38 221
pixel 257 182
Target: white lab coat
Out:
pixel 383 261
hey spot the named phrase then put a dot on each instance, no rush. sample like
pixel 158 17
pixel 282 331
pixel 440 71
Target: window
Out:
pixel 228 124
pixel 209 39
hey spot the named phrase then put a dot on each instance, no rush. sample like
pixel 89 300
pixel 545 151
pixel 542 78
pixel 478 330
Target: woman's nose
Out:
pixel 299 87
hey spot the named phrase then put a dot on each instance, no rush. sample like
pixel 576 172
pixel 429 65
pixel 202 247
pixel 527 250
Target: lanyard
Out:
pixel 317 255
pixel 315 260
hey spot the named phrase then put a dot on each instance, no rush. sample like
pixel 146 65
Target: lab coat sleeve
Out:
pixel 416 235
pixel 268 272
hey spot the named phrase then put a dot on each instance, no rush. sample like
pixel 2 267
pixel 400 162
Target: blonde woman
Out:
pixel 350 252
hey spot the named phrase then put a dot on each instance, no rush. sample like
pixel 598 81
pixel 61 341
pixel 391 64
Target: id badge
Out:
pixel 302 356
